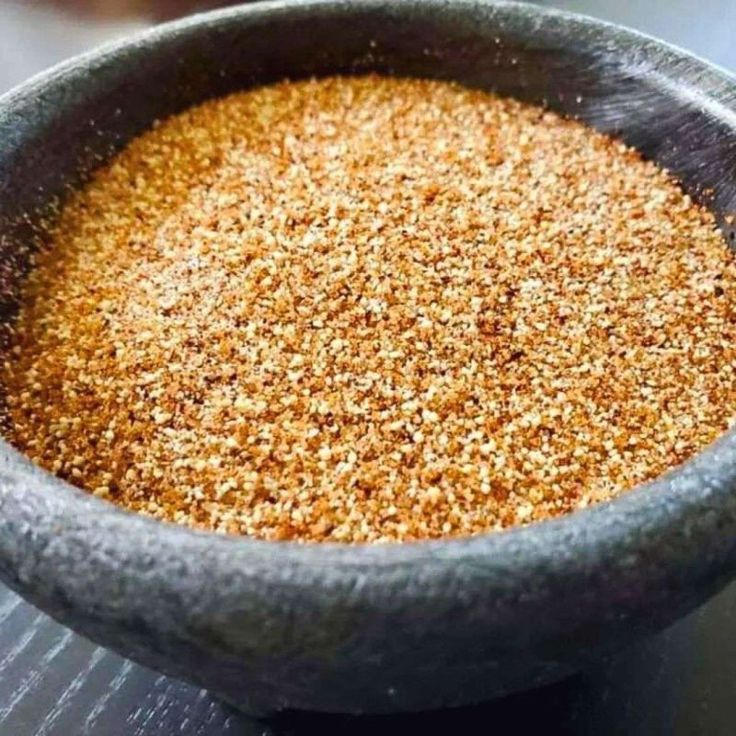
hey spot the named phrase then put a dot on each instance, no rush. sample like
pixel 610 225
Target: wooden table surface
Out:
pixel 53 682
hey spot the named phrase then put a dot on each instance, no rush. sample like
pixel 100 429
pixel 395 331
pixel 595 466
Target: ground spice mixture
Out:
pixel 372 309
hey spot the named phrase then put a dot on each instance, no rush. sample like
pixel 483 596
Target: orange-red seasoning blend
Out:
pixel 372 309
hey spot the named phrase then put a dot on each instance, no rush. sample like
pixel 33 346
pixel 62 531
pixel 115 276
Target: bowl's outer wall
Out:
pixel 274 626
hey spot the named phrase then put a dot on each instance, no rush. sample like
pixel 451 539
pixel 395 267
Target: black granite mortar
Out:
pixel 280 626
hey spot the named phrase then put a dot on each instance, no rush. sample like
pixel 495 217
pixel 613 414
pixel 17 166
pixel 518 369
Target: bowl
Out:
pixel 276 626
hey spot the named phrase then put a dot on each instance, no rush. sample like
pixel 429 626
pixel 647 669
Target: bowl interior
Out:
pixel 65 123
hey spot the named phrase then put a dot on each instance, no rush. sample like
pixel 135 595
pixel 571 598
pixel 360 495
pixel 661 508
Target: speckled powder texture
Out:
pixel 372 309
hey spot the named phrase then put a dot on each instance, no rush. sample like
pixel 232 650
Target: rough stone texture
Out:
pixel 274 626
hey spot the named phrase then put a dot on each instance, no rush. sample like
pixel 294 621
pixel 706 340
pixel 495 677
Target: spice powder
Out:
pixel 372 309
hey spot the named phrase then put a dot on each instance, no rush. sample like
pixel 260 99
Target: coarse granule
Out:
pixel 372 309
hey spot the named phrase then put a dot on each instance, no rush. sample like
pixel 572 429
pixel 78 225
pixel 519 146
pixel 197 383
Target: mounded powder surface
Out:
pixel 372 309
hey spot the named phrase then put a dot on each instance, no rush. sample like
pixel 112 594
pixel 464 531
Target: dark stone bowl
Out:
pixel 277 626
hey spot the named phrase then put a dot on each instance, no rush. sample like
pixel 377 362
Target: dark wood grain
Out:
pixel 54 683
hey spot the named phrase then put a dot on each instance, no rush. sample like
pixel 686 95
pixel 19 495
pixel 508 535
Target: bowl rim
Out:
pixel 667 501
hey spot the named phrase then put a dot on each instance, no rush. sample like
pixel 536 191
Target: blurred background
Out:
pixel 53 682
